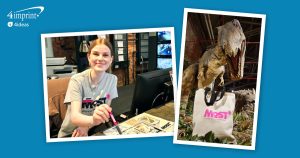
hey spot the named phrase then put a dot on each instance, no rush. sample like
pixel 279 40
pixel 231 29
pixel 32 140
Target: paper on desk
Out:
pixel 142 124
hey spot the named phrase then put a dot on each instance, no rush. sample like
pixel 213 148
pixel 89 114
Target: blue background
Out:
pixel 22 108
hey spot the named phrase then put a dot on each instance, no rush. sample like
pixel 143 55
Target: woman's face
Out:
pixel 100 58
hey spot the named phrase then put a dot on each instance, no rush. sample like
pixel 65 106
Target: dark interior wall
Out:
pixel 69 47
pixel 120 73
pixel 65 47
pixel 130 70
pixel 132 56
pixel 152 52
pixel 193 50
pixel 150 65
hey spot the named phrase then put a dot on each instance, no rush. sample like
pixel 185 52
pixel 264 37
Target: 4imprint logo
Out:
pixel 23 17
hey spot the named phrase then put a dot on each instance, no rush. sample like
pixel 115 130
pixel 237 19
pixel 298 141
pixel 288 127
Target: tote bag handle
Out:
pixel 214 95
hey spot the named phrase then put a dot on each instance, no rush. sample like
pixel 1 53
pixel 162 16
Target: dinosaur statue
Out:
pixel 229 52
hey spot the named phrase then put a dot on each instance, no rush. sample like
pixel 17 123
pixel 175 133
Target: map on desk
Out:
pixel 142 124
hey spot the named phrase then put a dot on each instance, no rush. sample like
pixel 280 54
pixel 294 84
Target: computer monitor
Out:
pixel 150 90
pixel 164 63
pixel 163 36
pixel 164 50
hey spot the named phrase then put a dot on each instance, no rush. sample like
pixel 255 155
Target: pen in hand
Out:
pixel 113 118
pixel 115 122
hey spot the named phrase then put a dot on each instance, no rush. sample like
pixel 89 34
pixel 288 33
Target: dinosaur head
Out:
pixel 232 41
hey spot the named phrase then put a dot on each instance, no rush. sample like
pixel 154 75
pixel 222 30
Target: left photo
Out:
pixel 109 84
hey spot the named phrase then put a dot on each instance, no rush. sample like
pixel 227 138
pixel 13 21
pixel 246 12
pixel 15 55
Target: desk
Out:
pixel 165 113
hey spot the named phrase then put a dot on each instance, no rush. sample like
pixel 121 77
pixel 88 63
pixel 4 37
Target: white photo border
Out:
pixel 177 102
pixel 67 34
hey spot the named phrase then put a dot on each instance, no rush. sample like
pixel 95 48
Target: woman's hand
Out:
pixel 80 132
pixel 101 114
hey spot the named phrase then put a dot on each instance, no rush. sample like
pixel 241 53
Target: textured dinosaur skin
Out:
pixel 229 52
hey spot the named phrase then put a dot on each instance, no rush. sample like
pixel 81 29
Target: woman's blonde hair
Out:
pixel 101 41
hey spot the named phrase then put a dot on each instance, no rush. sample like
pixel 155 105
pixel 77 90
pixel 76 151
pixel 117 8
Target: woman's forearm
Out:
pixel 77 118
pixel 81 120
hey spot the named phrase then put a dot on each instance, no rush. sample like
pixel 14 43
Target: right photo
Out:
pixel 219 79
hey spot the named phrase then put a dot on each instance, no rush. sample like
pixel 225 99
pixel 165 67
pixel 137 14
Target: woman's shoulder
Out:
pixel 110 76
pixel 80 76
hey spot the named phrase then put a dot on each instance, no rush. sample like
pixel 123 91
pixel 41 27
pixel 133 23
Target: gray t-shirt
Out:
pixel 79 89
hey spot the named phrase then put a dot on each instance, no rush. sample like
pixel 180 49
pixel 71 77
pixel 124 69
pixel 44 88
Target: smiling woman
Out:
pixel 90 84
pixel 100 55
